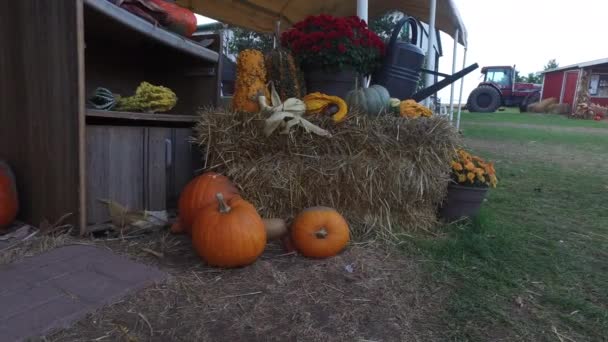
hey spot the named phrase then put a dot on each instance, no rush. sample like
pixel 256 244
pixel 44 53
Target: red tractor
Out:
pixel 500 89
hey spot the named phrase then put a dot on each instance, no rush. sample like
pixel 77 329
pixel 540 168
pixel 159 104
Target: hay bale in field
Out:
pixel 384 174
pixel 541 106
pixel 559 108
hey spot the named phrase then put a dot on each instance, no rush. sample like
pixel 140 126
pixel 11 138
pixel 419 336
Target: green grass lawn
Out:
pixel 534 264
pixel 512 115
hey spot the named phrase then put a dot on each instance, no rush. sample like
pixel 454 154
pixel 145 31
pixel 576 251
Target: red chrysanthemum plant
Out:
pixel 335 44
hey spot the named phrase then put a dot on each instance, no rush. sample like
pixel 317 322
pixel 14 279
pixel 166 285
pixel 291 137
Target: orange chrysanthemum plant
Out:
pixel 470 170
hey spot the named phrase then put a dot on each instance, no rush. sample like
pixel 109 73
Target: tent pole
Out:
pixel 362 9
pixel 362 12
pixel 464 62
pixel 430 56
pixel 454 52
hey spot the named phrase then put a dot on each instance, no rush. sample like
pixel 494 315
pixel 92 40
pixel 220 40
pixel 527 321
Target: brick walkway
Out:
pixel 56 288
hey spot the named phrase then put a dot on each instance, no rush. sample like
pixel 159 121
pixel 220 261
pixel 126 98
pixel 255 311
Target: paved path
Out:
pixel 58 287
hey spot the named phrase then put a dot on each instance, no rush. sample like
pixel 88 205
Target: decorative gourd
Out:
pixel 250 81
pixel 285 74
pixel 229 233
pixel 319 232
pixel 9 202
pixel 178 19
pixel 148 98
pixel 372 101
pixel 318 103
pixel 102 99
pixel 276 228
pixel 394 105
pixel 413 110
pixel 199 193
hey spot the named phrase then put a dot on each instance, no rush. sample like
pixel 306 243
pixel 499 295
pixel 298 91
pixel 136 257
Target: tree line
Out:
pixel 535 77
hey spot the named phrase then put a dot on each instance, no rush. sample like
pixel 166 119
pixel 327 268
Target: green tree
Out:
pixel 383 26
pixel 246 39
pixel 552 64
pixel 534 78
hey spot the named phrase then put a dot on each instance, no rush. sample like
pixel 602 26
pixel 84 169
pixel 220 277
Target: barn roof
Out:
pixel 578 65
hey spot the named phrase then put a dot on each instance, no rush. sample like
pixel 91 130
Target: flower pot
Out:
pixel 462 201
pixel 337 83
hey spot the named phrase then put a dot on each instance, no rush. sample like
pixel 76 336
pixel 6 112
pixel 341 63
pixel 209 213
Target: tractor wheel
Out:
pixel 528 100
pixel 484 99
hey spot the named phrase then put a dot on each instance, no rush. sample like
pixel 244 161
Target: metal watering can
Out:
pixel 400 71
pixel 402 65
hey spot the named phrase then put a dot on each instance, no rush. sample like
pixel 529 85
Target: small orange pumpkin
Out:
pixel 198 193
pixel 319 232
pixel 9 203
pixel 229 234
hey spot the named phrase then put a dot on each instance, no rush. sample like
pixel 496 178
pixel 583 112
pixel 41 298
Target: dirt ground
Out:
pixel 367 293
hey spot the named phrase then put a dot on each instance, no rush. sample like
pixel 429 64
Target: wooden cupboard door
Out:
pixel 159 156
pixel 115 169
pixel 187 163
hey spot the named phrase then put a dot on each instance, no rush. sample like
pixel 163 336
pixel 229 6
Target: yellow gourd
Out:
pixel 148 98
pixel 250 81
pixel 318 103
pixel 412 109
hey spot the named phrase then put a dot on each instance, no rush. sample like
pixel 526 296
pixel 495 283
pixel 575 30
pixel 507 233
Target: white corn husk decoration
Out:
pixel 293 109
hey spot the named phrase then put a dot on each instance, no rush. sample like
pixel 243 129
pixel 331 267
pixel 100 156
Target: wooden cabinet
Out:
pixel 67 156
pixel 139 167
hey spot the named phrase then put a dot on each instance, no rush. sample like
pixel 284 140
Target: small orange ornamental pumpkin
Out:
pixel 319 232
pixel 198 193
pixel 9 203
pixel 229 234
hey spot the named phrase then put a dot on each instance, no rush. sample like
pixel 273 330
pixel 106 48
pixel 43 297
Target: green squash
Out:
pixel 373 101
pixel 102 99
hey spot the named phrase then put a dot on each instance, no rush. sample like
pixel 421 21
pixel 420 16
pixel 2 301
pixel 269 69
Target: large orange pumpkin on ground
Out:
pixel 229 233
pixel 198 193
pixel 319 232
pixel 9 203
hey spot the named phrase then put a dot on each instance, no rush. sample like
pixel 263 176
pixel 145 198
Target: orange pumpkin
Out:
pixel 198 193
pixel 319 232
pixel 229 234
pixel 9 203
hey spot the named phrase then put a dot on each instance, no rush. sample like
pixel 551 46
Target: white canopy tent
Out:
pixel 262 15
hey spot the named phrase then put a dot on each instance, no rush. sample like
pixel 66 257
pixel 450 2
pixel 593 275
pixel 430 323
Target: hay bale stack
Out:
pixel 384 174
pixel 559 108
pixel 542 106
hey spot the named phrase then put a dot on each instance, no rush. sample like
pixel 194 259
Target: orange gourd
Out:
pixel 198 193
pixel 319 232
pixel 250 81
pixel 229 233
pixel 9 203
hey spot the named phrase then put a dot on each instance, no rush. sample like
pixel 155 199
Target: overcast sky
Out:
pixel 527 33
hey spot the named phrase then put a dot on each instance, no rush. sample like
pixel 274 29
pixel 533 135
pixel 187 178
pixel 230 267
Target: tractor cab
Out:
pixel 501 76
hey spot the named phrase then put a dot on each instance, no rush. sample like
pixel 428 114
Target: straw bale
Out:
pixel 385 174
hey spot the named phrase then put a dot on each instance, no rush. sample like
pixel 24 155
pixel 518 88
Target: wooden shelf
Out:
pixel 148 30
pixel 141 116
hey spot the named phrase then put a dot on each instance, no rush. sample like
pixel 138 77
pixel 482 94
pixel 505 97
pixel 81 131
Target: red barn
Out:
pixel 564 83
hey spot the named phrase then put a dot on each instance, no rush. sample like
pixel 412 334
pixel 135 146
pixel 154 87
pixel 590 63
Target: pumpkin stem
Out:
pixel 224 207
pixel 321 233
